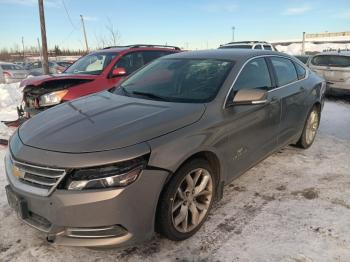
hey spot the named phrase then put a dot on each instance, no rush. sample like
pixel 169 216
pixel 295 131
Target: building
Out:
pixel 315 42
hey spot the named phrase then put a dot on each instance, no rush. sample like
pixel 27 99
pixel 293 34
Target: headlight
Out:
pixel 53 98
pixel 116 175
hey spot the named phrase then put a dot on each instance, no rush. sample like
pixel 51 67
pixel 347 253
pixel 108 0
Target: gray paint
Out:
pixel 106 128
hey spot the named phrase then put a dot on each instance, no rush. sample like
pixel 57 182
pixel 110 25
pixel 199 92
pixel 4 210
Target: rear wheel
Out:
pixel 310 129
pixel 186 201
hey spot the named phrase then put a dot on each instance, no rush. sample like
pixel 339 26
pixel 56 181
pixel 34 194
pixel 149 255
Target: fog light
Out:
pixel 98 232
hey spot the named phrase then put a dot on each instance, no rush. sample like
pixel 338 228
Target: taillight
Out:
pixel 7 74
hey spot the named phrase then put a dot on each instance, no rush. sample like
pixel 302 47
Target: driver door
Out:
pixel 251 129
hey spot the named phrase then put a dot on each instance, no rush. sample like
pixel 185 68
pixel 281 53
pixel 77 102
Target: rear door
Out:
pixel 252 129
pixel 292 93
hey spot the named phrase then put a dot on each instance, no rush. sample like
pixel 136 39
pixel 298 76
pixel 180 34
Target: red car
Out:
pixel 97 71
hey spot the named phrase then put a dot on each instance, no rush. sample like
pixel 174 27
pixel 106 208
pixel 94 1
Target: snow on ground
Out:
pixel 10 98
pixel 293 206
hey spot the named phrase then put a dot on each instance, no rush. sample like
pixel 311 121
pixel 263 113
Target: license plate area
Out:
pixel 17 203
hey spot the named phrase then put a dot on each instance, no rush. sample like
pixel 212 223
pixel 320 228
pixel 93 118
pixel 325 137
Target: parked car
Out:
pixel 20 63
pixel 13 73
pixel 303 58
pixel 335 68
pixel 97 71
pixel 36 68
pixel 249 45
pixel 154 152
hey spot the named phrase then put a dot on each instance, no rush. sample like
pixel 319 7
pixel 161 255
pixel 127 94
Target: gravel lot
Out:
pixel 294 206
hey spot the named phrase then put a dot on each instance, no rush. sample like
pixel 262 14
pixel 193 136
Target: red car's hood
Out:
pixel 38 80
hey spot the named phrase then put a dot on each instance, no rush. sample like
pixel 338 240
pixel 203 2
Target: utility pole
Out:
pixel 23 48
pixel 45 62
pixel 233 33
pixel 41 55
pixel 303 45
pixel 86 42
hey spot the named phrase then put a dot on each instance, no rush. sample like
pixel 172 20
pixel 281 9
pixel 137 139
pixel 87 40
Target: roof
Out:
pixel 143 46
pixel 247 42
pixel 224 54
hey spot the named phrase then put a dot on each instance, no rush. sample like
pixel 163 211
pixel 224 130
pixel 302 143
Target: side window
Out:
pixel 267 47
pixel 255 75
pixel 285 70
pixel 258 47
pixel 301 72
pixel 149 56
pixel 131 62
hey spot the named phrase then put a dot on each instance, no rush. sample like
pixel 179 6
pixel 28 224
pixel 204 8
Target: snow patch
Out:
pixel 10 98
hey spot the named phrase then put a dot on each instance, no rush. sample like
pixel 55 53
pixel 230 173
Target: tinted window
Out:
pixel 285 70
pixel 258 47
pixel 11 67
pixel 254 75
pixel 238 46
pixel 301 72
pixel 302 58
pixel 152 55
pixel 131 62
pixel 267 47
pixel 178 80
pixel 331 60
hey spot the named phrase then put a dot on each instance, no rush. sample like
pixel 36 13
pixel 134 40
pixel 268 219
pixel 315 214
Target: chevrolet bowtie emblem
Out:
pixel 16 172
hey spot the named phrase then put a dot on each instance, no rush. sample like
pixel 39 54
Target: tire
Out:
pixel 172 206
pixel 309 132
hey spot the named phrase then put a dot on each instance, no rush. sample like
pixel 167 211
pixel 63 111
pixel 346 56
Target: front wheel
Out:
pixel 310 129
pixel 186 200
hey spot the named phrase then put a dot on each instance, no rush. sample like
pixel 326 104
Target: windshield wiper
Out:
pixel 149 95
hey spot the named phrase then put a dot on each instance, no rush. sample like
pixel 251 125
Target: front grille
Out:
pixel 44 178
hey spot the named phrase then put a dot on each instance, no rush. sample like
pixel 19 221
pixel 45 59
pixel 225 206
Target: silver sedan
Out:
pixel 13 73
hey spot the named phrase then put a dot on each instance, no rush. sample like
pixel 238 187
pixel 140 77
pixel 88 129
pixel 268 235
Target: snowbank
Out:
pixel 10 98
pixel 5 132
pixel 295 48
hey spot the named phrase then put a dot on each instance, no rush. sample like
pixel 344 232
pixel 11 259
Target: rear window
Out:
pixel 11 67
pixel 300 71
pixel 285 70
pixel 331 60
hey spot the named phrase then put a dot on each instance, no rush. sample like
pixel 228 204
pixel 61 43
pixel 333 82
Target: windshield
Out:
pixel 331 60
pixel 178 80
pixel 92 64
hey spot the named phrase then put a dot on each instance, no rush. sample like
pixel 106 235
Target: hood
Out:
pixel 38 80
pixel 105 121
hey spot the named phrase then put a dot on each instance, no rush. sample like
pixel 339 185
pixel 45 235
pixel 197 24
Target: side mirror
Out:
pixel 250 97
pixel 119 71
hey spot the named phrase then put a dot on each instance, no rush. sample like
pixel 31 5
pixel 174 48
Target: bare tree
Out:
pixel 112 38
pixel 114 35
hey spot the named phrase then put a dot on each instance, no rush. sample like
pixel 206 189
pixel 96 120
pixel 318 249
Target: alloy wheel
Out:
pixel 192 200
pixel 312 126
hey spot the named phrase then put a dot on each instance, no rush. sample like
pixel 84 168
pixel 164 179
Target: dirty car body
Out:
pixel 57 171
pixel 90 74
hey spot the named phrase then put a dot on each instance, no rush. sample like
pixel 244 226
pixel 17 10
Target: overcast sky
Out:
pixel 193 24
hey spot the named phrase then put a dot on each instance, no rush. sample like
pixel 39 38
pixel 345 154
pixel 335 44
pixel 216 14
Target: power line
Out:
pixel 69 18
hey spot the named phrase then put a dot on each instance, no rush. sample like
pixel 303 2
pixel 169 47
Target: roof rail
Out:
pixel 143 45
pixel 246 42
